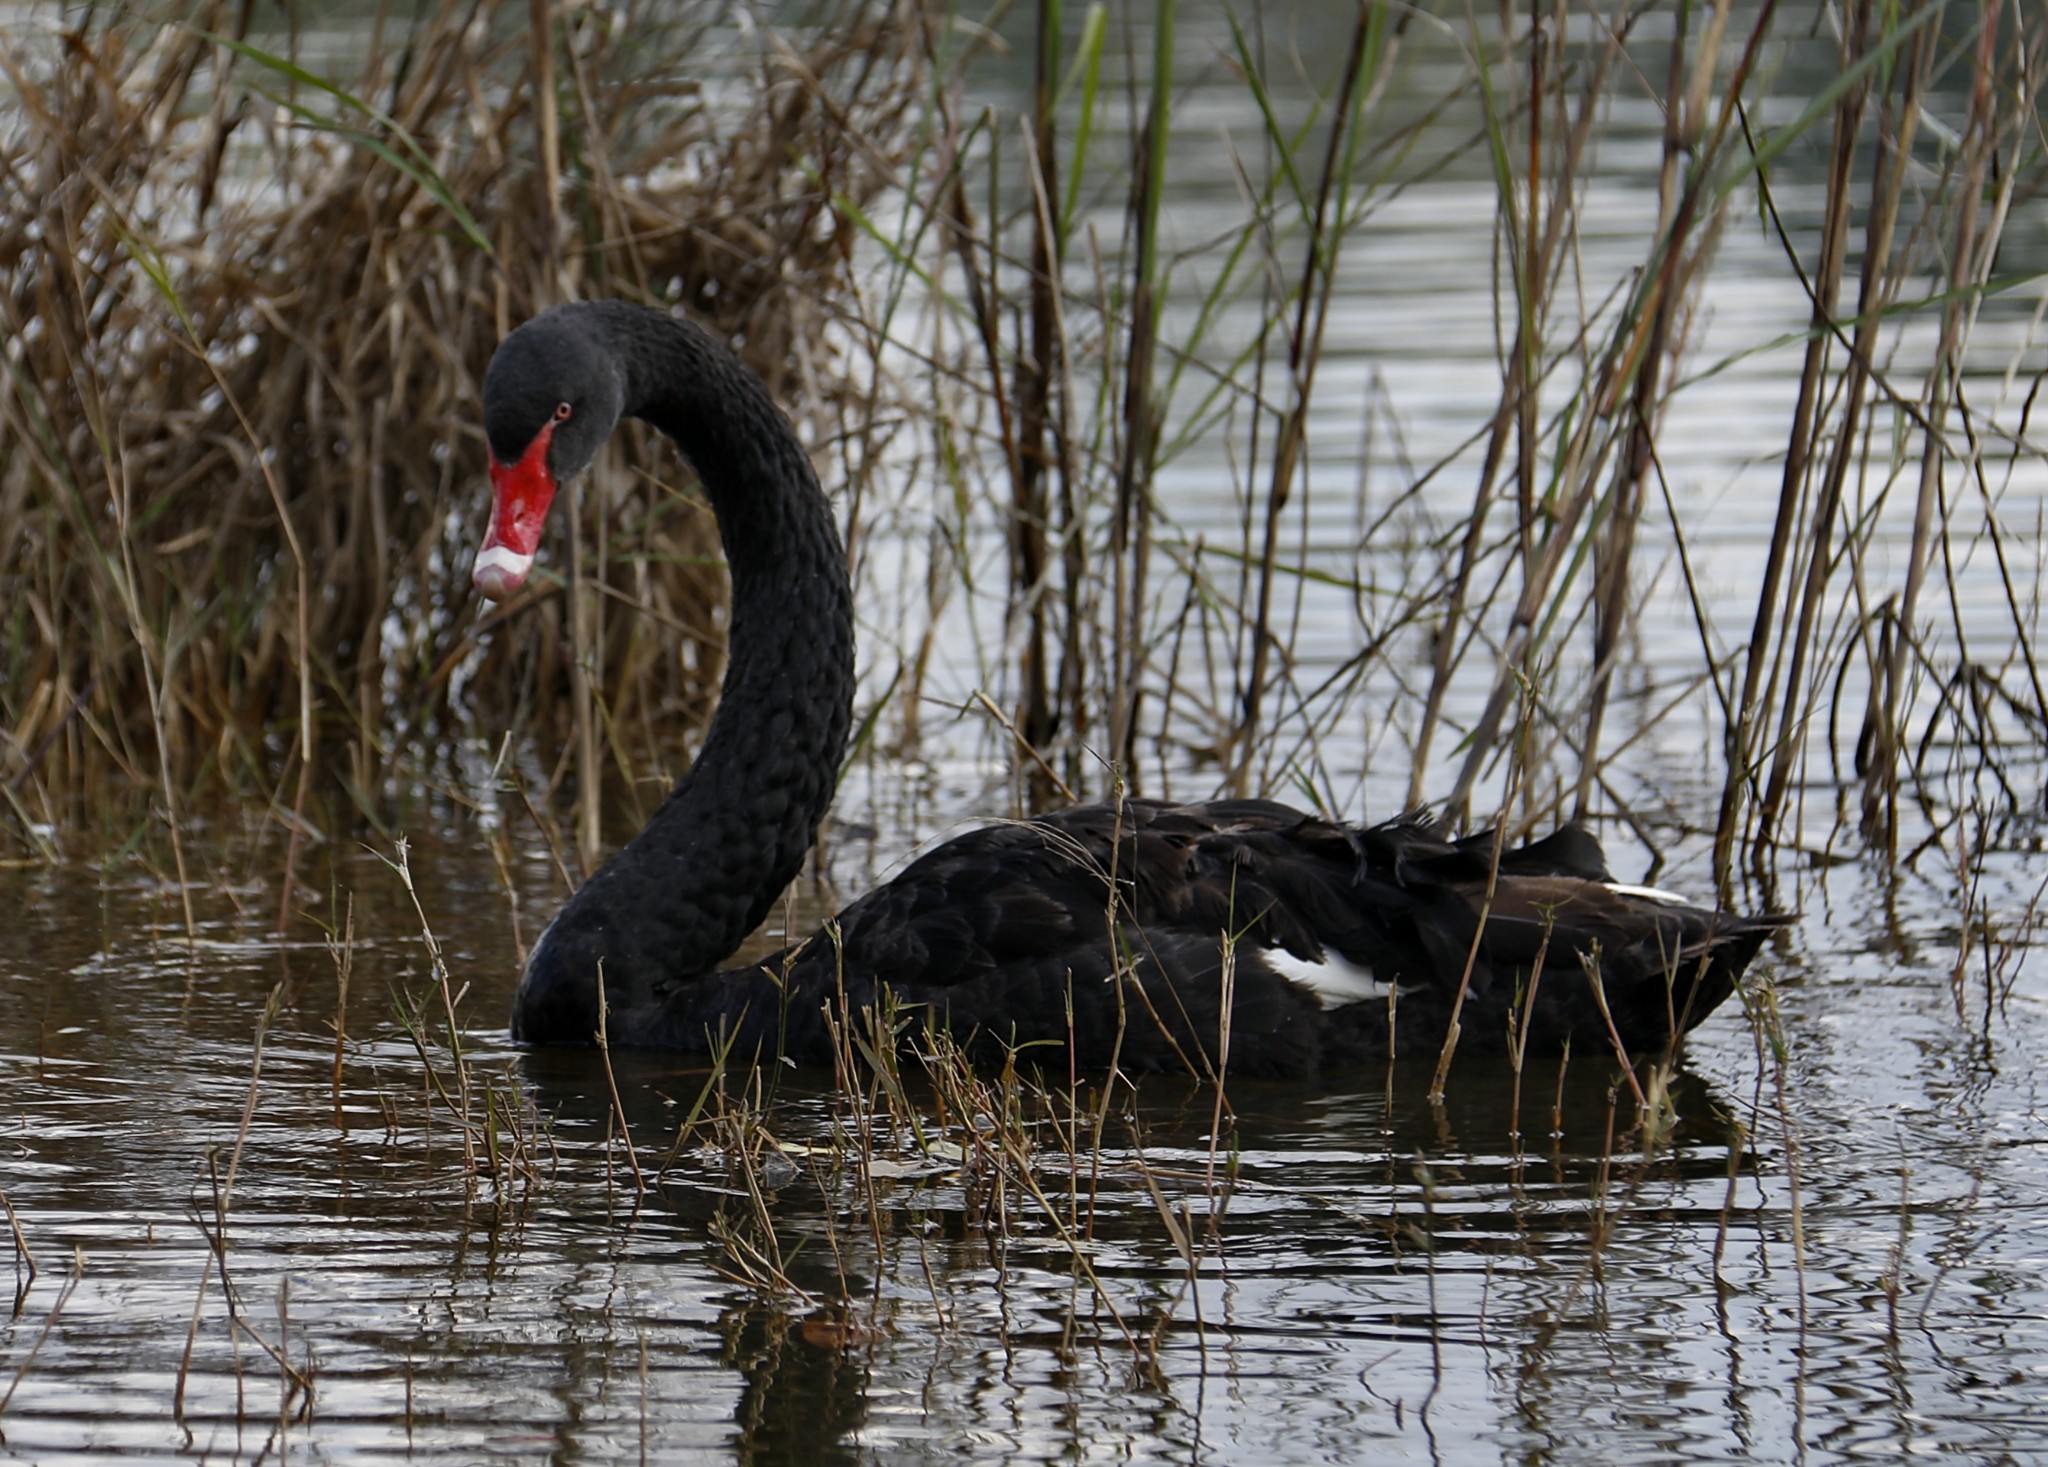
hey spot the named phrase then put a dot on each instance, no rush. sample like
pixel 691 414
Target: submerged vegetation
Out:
pixel 1133 504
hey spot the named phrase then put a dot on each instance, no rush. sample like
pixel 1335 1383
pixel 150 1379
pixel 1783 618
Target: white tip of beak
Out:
pixel 500 571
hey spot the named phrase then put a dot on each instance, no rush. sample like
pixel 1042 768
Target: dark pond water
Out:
pixel 1837 1248
pixel 1837 1255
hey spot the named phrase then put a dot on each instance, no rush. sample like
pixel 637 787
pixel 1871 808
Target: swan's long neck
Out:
pixel 703 873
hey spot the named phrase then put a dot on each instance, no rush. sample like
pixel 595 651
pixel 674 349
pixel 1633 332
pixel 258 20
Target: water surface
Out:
pixel 1839 1255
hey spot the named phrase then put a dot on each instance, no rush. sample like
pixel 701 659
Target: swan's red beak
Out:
pixel 520 496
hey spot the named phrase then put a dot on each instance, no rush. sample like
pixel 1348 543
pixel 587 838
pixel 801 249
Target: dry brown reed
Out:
pixel 247 296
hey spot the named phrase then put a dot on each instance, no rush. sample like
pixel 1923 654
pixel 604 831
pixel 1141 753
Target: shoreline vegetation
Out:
pixel 248 293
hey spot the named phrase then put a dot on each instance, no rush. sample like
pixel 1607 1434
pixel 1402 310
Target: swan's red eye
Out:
pixel 562 412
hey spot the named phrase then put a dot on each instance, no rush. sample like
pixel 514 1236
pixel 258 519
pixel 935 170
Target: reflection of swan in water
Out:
pixel 1576 1117
pixel 1332 1194
pixel 1117 931
pixel 804 1396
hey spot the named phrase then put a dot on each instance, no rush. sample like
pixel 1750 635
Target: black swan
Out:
pixel 1007 936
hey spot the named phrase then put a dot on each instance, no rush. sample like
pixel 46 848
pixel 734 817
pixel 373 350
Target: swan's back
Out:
pixel 1336 944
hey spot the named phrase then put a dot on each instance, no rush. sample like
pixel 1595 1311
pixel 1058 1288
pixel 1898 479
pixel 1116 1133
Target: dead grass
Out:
pixel 247 297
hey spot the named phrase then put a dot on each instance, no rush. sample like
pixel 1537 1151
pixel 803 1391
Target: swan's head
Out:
pixel 552 396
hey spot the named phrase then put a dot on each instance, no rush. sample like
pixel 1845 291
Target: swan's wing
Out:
pixel 1011 931
pixel 1020 891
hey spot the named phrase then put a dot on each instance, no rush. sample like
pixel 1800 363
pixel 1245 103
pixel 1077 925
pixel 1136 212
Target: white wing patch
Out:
pixel 1335 980
pixel 1649 893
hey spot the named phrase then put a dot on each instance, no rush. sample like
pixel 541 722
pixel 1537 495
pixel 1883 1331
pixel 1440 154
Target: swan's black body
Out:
pixel 1008 935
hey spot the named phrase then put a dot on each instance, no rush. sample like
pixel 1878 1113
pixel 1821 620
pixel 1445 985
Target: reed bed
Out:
pixel 1498 591
pixel 248 291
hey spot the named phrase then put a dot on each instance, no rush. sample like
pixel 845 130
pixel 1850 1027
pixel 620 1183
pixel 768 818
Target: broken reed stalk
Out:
pixel 216 1234
pixel 1131 526
pixel 342 950
pixel 1525 727
pixel 611 1080
pixel 49 1323
pixel 24 1259
pixel 1038 458
pixel 444 986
